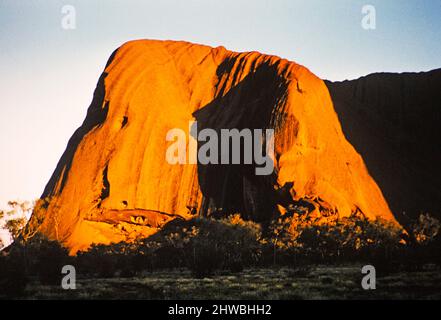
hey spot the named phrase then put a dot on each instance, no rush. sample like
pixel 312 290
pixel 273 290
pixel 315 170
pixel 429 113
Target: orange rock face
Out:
pixel 113 182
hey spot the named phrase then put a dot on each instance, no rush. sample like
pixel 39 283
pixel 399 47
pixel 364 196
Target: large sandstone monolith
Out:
pixel 113 182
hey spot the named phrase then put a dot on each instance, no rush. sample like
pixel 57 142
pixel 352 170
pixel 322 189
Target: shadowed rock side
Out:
pixel 393 121
pixel 114 184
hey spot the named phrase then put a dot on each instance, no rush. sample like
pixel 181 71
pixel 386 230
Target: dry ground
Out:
pixel 319 282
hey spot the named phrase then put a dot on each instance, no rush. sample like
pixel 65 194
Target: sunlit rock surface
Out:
pixel 113 182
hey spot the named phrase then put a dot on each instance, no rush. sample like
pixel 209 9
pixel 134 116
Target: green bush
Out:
pixel 51 258
pixel 99 261
pixel 227 244
pixel 37 258
pixel 206 245
pixel 44 258
pixel 299 239
pixel 13 278
pixel 425 229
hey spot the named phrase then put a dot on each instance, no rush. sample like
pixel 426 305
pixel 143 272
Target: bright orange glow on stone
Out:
pixel 114 184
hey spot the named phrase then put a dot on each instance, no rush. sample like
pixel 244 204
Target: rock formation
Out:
pixel 113 182
pixel 393 121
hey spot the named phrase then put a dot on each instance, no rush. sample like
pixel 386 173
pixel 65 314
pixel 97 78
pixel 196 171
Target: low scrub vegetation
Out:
pixel 40 259
pixel 206 246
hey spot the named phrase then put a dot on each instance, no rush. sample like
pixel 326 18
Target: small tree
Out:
pixel 49 258
pixel 425 229
pixel 15 219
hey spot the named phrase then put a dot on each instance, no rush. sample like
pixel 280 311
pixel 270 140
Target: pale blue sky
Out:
pixel 47 74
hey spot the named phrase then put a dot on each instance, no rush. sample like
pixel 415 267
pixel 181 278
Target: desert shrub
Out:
pixel 230 244
pixel 131 264
pixel 426 247
pixel 425 229
pixel 206 245
pixel 300 239
pixel 99 261
pixel 202 245
pixel 122 259
pixel 434 250
pixel 13 278
pixel 45 258
pixel 50 260
pixel 168 256
pixel 206 256
pixel 107 266
pixel 37 258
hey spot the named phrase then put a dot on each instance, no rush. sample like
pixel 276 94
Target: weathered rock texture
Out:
pixel 114 184
pixel 393 121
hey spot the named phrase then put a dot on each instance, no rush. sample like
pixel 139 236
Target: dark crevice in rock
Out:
pixel 124 122
pixel 105 191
